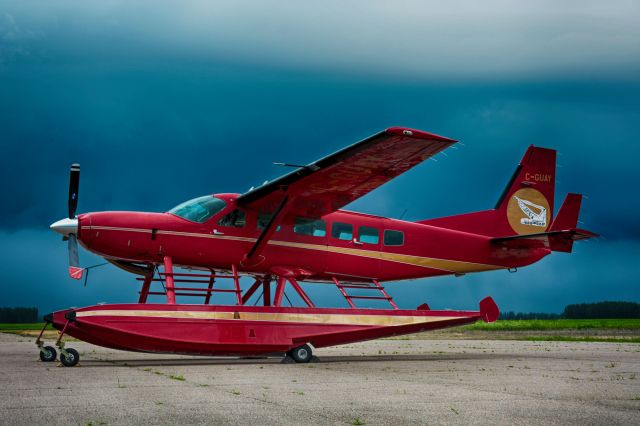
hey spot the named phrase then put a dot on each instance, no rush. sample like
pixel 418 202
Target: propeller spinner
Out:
pixel 68 227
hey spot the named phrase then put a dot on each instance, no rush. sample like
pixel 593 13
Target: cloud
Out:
pixel 494 39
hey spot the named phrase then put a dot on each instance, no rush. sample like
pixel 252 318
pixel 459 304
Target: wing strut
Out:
pixel 268 231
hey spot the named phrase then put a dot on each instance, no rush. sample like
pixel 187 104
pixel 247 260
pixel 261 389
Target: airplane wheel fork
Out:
pixel 68 356
pixel 47 353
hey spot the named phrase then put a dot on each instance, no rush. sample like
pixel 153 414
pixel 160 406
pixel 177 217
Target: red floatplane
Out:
pixel 293 230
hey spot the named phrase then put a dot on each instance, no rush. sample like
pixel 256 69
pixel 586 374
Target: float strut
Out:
pixel 251 290
pixel 301 292
pixel 144 292
pixel 236 282
pixel 277 300
pixel 266 291
pixel 212 281
pixel 168 272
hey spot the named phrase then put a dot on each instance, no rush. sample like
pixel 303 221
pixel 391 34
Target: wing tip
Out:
pixel 418 134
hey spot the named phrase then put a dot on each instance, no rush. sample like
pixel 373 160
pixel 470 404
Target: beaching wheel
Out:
pixel 70 359
pixel 48 354
pixel 301 354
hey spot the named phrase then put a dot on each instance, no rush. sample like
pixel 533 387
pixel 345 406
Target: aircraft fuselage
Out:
pixel 347 245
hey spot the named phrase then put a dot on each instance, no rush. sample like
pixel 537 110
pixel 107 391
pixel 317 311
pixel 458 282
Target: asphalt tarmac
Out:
pixel 379 382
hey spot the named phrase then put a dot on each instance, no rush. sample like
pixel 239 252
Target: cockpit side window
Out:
pixel 199 209
pixel 235 219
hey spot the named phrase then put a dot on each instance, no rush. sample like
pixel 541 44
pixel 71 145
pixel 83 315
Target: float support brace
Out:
pixel 301 292
pixel 277 301
pixel 236 282
pixel 168 272
pixel 212 281
pixel 266 291
pixel 251 290
pixel 144 292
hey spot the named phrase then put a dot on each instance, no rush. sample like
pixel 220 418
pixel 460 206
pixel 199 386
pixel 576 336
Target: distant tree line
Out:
pixel 18 315
pixel 618 310
pixel 602 310
pixel 527 316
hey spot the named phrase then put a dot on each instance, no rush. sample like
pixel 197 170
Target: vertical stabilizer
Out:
pixel 525 206
pixel 527 202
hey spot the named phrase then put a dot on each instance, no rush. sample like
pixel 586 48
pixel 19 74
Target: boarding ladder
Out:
pixel 375 285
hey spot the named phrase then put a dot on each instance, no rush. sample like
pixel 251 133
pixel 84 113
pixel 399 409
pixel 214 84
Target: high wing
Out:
pixel 336 180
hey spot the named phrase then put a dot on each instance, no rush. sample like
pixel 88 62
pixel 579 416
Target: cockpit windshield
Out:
pixel 199 209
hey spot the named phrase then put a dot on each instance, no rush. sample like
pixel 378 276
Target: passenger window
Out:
pixel 368 235
pixel 342 231
pixel 235 219
pixel 393 238
pixel 264 219
pixel 313 227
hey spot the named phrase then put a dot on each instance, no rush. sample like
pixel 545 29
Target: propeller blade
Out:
pixel 75 271
pixel 74 186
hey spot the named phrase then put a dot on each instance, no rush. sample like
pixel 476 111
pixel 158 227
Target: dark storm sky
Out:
pixel 165 101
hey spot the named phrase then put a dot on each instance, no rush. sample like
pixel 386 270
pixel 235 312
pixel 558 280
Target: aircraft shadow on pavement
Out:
pixel 167 362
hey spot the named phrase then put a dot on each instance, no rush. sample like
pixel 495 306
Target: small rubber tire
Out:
pixel 301 354
pixel 71 359
pixel 48 354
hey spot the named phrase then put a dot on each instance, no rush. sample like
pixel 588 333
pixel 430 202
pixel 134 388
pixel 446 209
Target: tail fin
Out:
pixel 527 202
pixel 525 206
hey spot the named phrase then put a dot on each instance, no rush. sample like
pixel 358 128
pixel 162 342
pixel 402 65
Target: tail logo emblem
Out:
pixel 528 211
pixel 533 218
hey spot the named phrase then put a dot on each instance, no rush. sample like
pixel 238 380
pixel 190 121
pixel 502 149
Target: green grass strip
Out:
pixel 559 324
pixel 580 339
pixel 22 327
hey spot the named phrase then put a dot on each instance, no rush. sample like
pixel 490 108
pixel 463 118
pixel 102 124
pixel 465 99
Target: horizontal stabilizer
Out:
pixel 553 240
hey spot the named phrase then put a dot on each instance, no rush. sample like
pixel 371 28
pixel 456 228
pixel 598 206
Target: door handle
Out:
pixel 216 232
pixel 355 241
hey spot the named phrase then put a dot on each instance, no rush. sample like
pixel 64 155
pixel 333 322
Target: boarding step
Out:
pixel 375 285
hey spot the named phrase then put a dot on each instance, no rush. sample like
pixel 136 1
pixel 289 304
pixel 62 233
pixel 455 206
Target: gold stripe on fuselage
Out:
pixel 372 320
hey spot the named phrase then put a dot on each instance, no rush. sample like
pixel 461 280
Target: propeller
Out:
pixel 68 227
pixel 74 186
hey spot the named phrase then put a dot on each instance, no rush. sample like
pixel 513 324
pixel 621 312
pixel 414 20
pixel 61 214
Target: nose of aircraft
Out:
pixel 65 226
